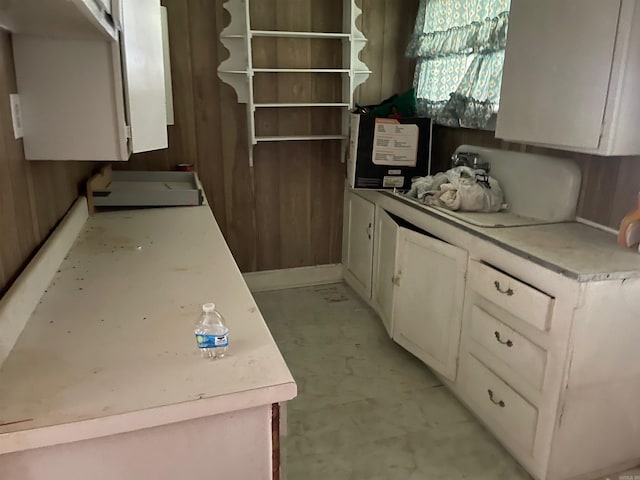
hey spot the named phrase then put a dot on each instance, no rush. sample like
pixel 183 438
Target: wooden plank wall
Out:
pixel 34 196
pixel 287 210
pixel 387 24
pixel 610 185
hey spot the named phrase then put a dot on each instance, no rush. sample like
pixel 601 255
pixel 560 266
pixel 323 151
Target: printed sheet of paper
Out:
pixel 395 143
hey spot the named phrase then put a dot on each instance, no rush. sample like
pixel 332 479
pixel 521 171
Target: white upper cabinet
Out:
pixel 87 96
pixel 143 62
pixel 62 18
pixel 572 76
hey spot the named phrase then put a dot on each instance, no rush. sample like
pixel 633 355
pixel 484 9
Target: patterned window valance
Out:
pixel 459 46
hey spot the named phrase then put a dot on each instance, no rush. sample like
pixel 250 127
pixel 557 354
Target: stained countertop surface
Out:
pixel 111 346
pixel 572 249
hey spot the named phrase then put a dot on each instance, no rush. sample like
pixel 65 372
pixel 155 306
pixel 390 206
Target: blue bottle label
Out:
pixel 212 341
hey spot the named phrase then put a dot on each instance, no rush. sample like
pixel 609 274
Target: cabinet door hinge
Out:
pixel 127 131
pixel 396 280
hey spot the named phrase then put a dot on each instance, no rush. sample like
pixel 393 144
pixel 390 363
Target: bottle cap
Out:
pixel 208 307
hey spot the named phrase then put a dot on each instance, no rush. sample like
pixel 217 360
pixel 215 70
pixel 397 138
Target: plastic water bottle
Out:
pixel 212 333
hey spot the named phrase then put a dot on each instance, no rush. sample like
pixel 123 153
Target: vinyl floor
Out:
pixel 367 409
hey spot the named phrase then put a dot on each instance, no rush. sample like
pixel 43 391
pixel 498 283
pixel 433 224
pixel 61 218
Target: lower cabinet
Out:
pixel 429 295
pixel 358 247
pixel 384 267
pixel 418 291
pixel 510 415
pixel 544 360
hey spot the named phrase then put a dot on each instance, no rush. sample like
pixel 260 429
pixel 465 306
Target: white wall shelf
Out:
pixel 300 105
pixel 297 138
pixel 84 93
pixel 284 34
pixel 239 72
pixel 301 70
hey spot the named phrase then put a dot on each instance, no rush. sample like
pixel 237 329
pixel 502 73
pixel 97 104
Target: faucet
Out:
pixel 469 159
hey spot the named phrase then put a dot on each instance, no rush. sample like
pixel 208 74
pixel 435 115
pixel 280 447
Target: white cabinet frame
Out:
pixel 238 70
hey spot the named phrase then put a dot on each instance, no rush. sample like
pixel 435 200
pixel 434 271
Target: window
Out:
pixel 459 47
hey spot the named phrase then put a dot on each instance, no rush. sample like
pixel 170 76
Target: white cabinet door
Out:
pixel 557 70
pixel 427 308
pixel 359 249
pixel 143 63
pixel 384 267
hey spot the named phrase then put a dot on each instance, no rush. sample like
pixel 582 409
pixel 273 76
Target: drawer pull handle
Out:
pixel 508 343
pixel 508 292
pixel 500 403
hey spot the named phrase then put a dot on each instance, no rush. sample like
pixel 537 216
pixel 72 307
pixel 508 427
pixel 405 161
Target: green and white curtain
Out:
pixel 459 47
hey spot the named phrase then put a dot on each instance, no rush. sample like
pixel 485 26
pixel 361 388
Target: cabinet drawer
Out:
pixel 506 412
pixel 521 355
pixel 514 296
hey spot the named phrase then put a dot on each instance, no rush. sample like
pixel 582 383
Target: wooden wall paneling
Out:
pixel 402 30
pixel 16 168
pixel 60 174
pixel 150 161
pixel 387 24
pixel 41 174
pixel 598 186
pixel 287 210
pixel 295 209
pixel 37 233
pixel 182 136
pixel 263 15
pixel 327 184
pixel 267 155
pixel 10 251
pixel 267 206
pixel 446 140
pixel 239 184
pixel 327 171
pixel 625 196
pixel 4 276
pixel 206 101
pixel 394 44
pixel 81 172
pixel 391 51
pixel 296 158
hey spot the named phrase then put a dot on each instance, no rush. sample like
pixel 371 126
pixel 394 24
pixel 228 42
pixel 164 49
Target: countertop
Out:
pixel 572 249
pixel 111 348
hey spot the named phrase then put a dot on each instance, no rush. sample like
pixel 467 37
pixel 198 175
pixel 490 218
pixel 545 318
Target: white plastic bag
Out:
pixel 466 189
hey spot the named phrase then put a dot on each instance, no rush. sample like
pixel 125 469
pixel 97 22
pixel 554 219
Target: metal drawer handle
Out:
pixel 508 292
pixel 508 343
pixel 500 403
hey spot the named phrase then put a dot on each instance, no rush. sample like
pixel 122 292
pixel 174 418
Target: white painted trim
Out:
pixel 599 226
pixel 19 302
pixel 293 277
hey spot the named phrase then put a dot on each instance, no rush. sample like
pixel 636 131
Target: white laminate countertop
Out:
pixel 572 249
pixel 111 348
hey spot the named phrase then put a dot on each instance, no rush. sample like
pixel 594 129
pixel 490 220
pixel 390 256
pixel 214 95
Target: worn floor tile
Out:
pixel 367 409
